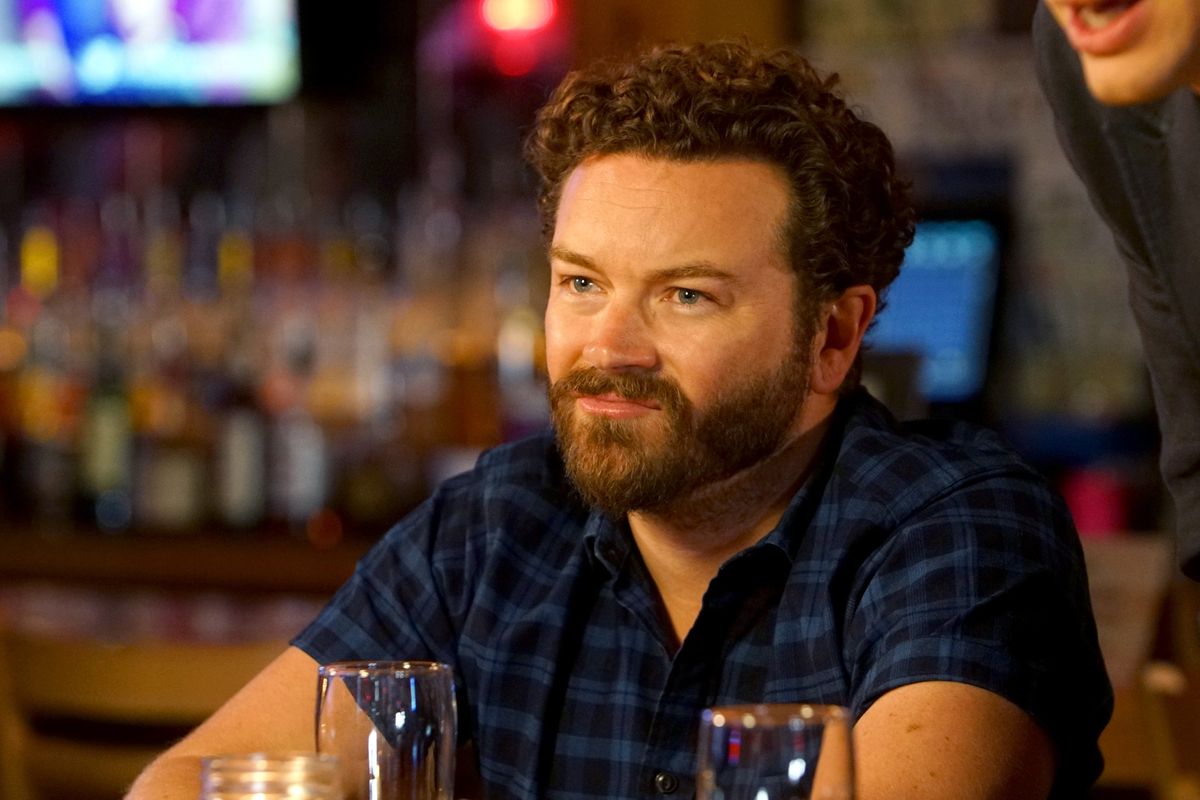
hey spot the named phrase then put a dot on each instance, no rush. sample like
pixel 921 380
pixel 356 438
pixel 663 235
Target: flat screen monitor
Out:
pixel 148 52
pixel 941 308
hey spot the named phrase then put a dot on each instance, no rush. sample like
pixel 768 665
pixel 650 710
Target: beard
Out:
pixel 654 462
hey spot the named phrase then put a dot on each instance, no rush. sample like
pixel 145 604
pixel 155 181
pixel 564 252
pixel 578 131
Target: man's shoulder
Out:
pixel 515 494
pixel 525 476
pixel 530 460
pixel 905 491
pixel 909 464
pixel 957 445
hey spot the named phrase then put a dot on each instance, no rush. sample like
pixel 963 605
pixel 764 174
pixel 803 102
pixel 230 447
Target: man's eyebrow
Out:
pixel 571 257
pixel 694 269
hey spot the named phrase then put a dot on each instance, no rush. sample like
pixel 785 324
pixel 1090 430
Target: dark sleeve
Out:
pixel 406 593
pixel 986 585
pixel 1138 166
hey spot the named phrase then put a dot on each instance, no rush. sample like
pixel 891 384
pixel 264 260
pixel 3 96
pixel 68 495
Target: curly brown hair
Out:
pixel 851 216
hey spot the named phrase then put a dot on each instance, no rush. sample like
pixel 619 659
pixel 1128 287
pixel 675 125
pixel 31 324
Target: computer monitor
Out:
pixel 940 309
pixel 148 52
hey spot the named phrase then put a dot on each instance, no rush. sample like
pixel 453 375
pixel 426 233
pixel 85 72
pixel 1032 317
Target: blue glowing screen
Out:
pixel 941 307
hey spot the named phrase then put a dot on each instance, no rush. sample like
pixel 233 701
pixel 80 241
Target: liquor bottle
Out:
pixel 240 452
pixel 46 397
pixel 206 221
pixel 428 235
pixel 106 443
pixel 173 428
pixel 240 456
pixel 379 476
pixel 299 484
pixel 521 340
pixel 169 481
pixel 163 247
pixel 13 349
pixel 299 455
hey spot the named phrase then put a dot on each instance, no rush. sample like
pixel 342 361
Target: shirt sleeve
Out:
pixel 986 585
pixel 398 604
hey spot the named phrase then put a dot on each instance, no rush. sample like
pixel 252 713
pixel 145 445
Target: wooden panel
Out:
pixel 111 703
pixel 144 683
pixel 192 562
pixel 614 27
pixel 1128 575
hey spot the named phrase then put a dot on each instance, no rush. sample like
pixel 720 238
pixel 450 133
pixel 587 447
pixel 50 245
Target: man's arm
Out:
pixel 944 740
pixel 275 711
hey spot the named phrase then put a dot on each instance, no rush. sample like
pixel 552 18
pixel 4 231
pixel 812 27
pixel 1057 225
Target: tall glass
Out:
pixel 775 752
pixel 391 725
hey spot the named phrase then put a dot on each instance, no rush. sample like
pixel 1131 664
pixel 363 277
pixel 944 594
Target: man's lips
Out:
pixel 1105 27
pixel 615 406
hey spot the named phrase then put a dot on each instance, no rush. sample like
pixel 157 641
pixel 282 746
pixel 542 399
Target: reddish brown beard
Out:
pixel 619 466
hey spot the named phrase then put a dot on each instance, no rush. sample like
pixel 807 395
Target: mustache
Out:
pixel 638 386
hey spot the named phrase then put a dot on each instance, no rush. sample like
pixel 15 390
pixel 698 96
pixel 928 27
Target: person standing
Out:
pixel 1122 78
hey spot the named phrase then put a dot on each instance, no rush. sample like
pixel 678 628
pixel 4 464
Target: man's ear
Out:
pixel 840 329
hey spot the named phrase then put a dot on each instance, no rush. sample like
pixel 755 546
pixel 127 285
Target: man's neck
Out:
pixel 684 546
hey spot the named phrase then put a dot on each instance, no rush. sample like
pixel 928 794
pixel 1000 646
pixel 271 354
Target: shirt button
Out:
pixel 666 783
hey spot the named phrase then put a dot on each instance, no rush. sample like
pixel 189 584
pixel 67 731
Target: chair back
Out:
pixel 88 715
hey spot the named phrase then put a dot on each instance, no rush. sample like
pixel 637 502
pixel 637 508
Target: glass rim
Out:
pixel 773 714
pixel 366 668
pixel 280 757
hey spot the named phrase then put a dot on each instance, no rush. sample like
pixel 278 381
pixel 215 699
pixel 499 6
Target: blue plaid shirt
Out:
pixel 912 553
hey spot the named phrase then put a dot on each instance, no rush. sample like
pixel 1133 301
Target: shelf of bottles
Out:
pixel 276 363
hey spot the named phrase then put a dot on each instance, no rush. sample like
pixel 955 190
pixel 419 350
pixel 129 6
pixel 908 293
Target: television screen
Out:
pixel 148 52
pixel 941 307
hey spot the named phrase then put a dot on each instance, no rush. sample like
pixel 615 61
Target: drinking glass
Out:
pixel 391 725
pixel 269 776
pixel 775 752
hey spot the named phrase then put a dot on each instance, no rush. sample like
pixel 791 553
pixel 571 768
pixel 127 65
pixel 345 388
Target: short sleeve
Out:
pixel 396 604
pixel 986 585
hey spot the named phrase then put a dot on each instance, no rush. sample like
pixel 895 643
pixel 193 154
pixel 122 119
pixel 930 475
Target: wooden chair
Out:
pixel 1170 693
pixel 82 718
pixel 1149 624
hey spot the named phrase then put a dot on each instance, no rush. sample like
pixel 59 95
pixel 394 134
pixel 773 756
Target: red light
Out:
pixel 517 15
pixel 515 56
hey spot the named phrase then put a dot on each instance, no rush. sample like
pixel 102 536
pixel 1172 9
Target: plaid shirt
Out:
pixel 912 553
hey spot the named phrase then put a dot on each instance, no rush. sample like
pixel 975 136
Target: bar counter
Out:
pixel 249 565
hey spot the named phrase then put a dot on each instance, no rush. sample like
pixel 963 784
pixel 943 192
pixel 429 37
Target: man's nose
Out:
pixel 621 338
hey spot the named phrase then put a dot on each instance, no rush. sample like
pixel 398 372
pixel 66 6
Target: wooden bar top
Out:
pixel 250 564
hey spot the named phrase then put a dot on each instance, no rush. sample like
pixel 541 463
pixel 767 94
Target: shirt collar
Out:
pixel 608 542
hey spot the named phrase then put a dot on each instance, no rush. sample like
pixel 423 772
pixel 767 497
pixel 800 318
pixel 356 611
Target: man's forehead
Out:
pixel 663 213
pixel 651 173
pixel 716 190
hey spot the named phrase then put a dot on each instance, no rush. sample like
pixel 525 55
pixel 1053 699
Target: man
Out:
pixel 1122 80
pixel 721 515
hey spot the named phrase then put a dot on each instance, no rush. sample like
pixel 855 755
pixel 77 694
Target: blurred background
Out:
pixel 271 269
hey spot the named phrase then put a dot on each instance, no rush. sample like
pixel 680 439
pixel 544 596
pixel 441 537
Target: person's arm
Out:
pixel 273 712
pixel 972 650
pixel 941 739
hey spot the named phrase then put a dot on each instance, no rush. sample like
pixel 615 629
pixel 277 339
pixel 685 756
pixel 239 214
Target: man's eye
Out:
pixel 688 297
pixel 581 284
